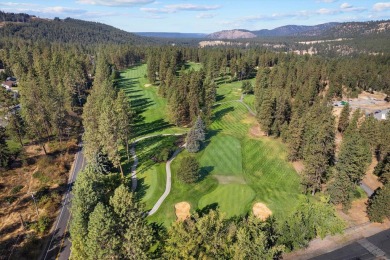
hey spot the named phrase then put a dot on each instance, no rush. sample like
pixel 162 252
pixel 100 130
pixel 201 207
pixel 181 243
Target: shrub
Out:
pixel 41 177
pixel 16 189
pixel 42 225
pixel 189 170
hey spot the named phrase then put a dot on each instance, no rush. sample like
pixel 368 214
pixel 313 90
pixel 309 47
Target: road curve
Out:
pixel 59 245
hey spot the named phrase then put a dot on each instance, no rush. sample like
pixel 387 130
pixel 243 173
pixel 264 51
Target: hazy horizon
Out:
pixel 202 16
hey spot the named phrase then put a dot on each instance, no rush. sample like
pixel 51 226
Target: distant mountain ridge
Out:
pixel 295 30
pixel 175 35
pixel 232 34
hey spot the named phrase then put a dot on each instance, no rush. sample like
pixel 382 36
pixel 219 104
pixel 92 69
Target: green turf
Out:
pixel 237 170
pixel 151 108
pixel 223 156
pixel 232 199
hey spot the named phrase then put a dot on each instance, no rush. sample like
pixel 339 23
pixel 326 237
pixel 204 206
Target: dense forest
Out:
pixel 69 86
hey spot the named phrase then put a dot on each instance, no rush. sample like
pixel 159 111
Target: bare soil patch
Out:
pixel 261 211
pixel 222 179
pixel 298 166
pixel 356 215
pixel 370 179
pixel 182 210
pixel 255 131
pixel 46 177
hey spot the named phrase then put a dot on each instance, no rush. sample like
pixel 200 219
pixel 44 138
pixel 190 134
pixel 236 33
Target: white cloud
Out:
pixel 205 16
pixel 116 2
pixel 381 6
pixel 327 1
pixel 345 6
pixel 61 9
pixel 181 7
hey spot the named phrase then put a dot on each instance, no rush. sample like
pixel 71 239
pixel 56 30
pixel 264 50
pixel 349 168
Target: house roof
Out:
pixel 8 83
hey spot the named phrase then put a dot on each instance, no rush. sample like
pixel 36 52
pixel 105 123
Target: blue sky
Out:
pixel 203 16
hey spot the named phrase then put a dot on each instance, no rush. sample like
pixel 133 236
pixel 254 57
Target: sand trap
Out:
pixel 261 211
pixel 182 210
pixel 147 85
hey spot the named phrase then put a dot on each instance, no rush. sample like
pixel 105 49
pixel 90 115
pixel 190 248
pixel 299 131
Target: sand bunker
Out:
pixel 147 85
pixel 261 211
pixel 182 210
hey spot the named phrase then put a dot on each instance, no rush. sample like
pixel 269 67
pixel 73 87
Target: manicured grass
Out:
pixel 244 170
pixel 232 199
pixel 193 65
pixel 151 108
pixel 237 170
pixel 223 156
pixel 249 99
pixel 180 191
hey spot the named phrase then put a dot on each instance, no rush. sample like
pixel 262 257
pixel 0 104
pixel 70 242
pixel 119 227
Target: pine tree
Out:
pixel 341 190
pixel 266 113
pixel 295 138
pixel 192 143
pixel 124 118
pixel 354 156
pixel 16 127
pixel 134 232
pixel 379 204
pixel 4 150
pixel 344 118
pixel 102 240
pixel 199 129
pixel 189 170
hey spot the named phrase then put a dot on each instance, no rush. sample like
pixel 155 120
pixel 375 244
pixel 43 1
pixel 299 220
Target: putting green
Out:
pixel 232 199
pixel 223 156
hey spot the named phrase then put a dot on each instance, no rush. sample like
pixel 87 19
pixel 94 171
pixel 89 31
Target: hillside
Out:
pixel 175 35
pixel 294 30
pixel 232 34
pixel 67 30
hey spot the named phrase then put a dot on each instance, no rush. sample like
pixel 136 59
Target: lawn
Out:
pixel 237 169
pixel 242 170
pixel 151 108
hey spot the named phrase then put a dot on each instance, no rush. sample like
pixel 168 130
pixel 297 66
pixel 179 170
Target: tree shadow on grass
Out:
pixel 148 128
pixel 140 192
pixel 205 210
pixel 219 114
pixel 204 172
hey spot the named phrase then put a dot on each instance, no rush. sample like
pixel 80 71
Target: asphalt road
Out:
pixel 59 245
pixel 374 247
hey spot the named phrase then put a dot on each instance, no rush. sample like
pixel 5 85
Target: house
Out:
pixel 381 114
pixel 8 84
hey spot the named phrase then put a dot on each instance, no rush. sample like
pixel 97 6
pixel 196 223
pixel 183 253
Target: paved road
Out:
pixel 59 245
pixel 167 185
pixel 367 189
pixel 373 247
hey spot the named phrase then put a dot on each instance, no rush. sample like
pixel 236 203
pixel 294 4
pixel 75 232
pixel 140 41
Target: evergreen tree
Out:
pixel 16 127
pixel 379 204
pixel 255 240
pixel 341 190
pixel 133 230
pixel 199 129
pixel 189 170
pixel 5 153
pixel 344 118
pixel 354 156
pixel 265 115
pixel 124 119
pixel 102 240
